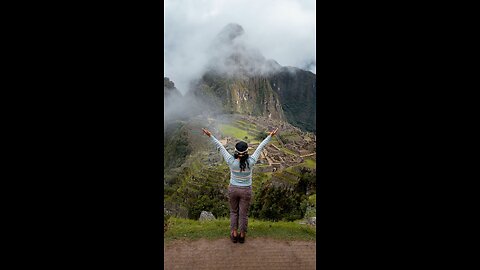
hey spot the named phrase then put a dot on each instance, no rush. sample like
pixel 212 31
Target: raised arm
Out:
pixel 260 147
pixel 227 156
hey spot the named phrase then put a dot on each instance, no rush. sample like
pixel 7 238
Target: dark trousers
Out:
pixel 239 198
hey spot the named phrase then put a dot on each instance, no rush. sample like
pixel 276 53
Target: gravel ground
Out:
pixel 256 253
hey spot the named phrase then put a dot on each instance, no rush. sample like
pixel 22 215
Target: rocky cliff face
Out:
pixel 297 92
pixel 242 95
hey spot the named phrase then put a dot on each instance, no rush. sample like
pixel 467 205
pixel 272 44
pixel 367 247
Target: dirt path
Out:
pixel 256 253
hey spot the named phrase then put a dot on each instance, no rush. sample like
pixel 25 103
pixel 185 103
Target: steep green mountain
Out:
pixel 247 95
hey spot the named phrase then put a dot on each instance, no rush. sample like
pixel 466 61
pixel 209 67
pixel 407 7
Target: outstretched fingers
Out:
pixel 206 132
pixel 274 132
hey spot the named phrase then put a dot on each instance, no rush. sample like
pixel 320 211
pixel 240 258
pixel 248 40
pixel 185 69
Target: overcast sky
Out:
pixel 282 30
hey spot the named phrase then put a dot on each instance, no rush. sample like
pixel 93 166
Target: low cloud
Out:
pixel 280 30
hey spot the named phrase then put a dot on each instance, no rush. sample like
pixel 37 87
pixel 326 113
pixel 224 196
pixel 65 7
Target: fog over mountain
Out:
pixel 279 30
pixel 237 78
pixel 179 107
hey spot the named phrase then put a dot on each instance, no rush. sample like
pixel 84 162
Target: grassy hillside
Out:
pixel 241 130
pixel 232 131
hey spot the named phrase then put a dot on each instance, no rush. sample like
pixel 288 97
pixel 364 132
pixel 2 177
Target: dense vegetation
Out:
pixel 198 188
pixel 284 196
pixel 176 146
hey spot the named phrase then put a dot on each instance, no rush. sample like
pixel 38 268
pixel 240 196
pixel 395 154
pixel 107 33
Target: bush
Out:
pixel 203 190
pixel 311 212
pixel 278 203
pixel 312 200
pixel 176 148
pixel 307 182
pixel 260 136
pixel 218 207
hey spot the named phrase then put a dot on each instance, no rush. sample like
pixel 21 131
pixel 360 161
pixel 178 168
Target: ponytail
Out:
pixel 243 160
pixel 241 151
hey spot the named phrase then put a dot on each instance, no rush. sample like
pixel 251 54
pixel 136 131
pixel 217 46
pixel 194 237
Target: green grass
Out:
pixel 237 133
pixel 259 179
pixel 283 149
pixel 251 140
pixel 245 125
pixel 312 200
pixel 233 131
pixel 291 137
pixel 310 163
pixel 288 151
pixel 293 170
pixel 281 176
pixel 187 229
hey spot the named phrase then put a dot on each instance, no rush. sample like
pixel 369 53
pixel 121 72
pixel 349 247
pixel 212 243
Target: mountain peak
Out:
pixel 232 55
pixel 230 32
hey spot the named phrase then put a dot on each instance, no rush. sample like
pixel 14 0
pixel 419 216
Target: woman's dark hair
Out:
pixel 241 151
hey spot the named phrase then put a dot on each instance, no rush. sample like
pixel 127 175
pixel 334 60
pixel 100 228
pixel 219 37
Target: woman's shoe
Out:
pixel 241 239
pixel 233 238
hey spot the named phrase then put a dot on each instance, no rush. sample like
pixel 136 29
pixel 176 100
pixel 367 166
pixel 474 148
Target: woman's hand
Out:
pixel 206 132
pixel 274 132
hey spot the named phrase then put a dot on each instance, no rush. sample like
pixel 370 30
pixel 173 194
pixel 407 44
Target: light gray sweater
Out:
pixel 238 178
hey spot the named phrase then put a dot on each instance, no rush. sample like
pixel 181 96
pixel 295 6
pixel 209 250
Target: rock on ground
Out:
pixel 206 216
pixel 312 221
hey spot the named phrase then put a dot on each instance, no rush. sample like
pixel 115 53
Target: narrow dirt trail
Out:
pixel 255 253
